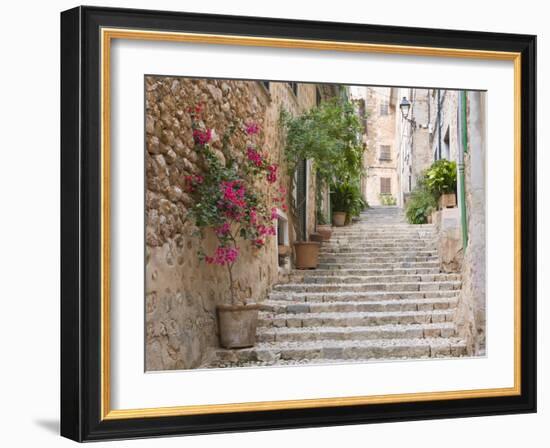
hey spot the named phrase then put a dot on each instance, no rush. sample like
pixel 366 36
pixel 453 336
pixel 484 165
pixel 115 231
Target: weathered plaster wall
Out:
pixel 473 295
pixel 380 130
pixel 182 292
pixel 282 96
pixel 449 109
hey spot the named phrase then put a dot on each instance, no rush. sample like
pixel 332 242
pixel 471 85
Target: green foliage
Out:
pixel 346 197
pixel 321 219
pixel 329 136
pixel 364 203
pixel 441 177
pixel 387 199
pixel 420 205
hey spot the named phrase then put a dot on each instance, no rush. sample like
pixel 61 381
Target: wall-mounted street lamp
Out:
pixel 405 107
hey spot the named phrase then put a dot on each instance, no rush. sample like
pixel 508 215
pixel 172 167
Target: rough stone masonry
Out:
pixel 181 292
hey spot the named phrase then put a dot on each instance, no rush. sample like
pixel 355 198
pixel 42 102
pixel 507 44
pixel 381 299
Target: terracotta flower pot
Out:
pixel 283 251
pixel 339 219
pixel 307 254
pixel 316 236
pixel 447 200
pixel 325 230
pixel 237 325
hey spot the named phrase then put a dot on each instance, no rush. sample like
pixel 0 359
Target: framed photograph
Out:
pixel 274 224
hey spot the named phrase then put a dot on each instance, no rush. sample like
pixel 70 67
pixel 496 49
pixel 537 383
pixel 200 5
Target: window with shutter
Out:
pixel 385 185
pixel 385 152
pixel 384 107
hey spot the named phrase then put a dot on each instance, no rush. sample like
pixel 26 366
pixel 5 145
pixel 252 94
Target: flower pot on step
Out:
pixel 447 200
pixel 307 254
pixel 339 219
pixel 237 325
pixel 325 230
pixel 316 236
pixel 283 251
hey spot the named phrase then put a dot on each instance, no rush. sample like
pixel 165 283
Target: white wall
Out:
pixel 29 236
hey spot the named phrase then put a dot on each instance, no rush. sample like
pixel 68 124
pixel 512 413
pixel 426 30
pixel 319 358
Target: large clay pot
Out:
pixel 447 200
pixel 307 254
pixel 339 219
pixel 325 230
pixel 284 251
pixel 237 325
pixel 316 236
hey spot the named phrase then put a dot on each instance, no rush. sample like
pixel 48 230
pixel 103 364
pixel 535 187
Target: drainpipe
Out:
pixel 438 124
pixel 462 148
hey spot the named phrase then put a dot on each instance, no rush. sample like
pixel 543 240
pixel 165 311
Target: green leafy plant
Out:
pixel 420 205
pixel 440 178
pixel 347 198
pixel 387 199
pixel 231 196
pixel 329 136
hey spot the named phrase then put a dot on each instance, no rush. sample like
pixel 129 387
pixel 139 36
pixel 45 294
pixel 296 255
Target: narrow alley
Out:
pixel 378 293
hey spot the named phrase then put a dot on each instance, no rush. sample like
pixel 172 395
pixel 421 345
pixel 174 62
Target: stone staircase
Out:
pixel 377 294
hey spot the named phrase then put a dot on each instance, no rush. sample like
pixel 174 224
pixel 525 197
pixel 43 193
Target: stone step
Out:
pixel 299 275
pixel 299 297
pixel 402 278
pixel 267 353
pixel 347 258
pixel 353 319
pixel 280 307
pixel 337 266
pixel 357 250
pixel 362 287
pixel 366 243
pixel 358 231
pixel 445 330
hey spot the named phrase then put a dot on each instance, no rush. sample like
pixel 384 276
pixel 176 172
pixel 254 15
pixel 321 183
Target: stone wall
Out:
pixel 472 320
pixel 181 293
pixel 449 126
pixel 380 130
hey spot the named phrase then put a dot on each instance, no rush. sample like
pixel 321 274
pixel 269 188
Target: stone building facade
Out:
pixel 448 124
pixel 380 159
pixel 412 135
pixel 181 291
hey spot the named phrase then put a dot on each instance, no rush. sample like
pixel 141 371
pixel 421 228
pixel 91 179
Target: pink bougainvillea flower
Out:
pixel 259 242
pixel 252 128
pixel 263 230
pixel 253 216
pixel 202 137
pixel 274 214
pixel 233 192
pixel 284 207
pixel 195 110
pixel 223 255
pixel 272 174
pixel 191 182
pixel 254 156
pixel 223 230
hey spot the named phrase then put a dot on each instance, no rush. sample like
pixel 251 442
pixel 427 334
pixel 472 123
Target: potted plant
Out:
pixel 323 227
pixel 231 204
pixel 347 203
pixel 420 205
pixel 328 137
pixel 441 181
